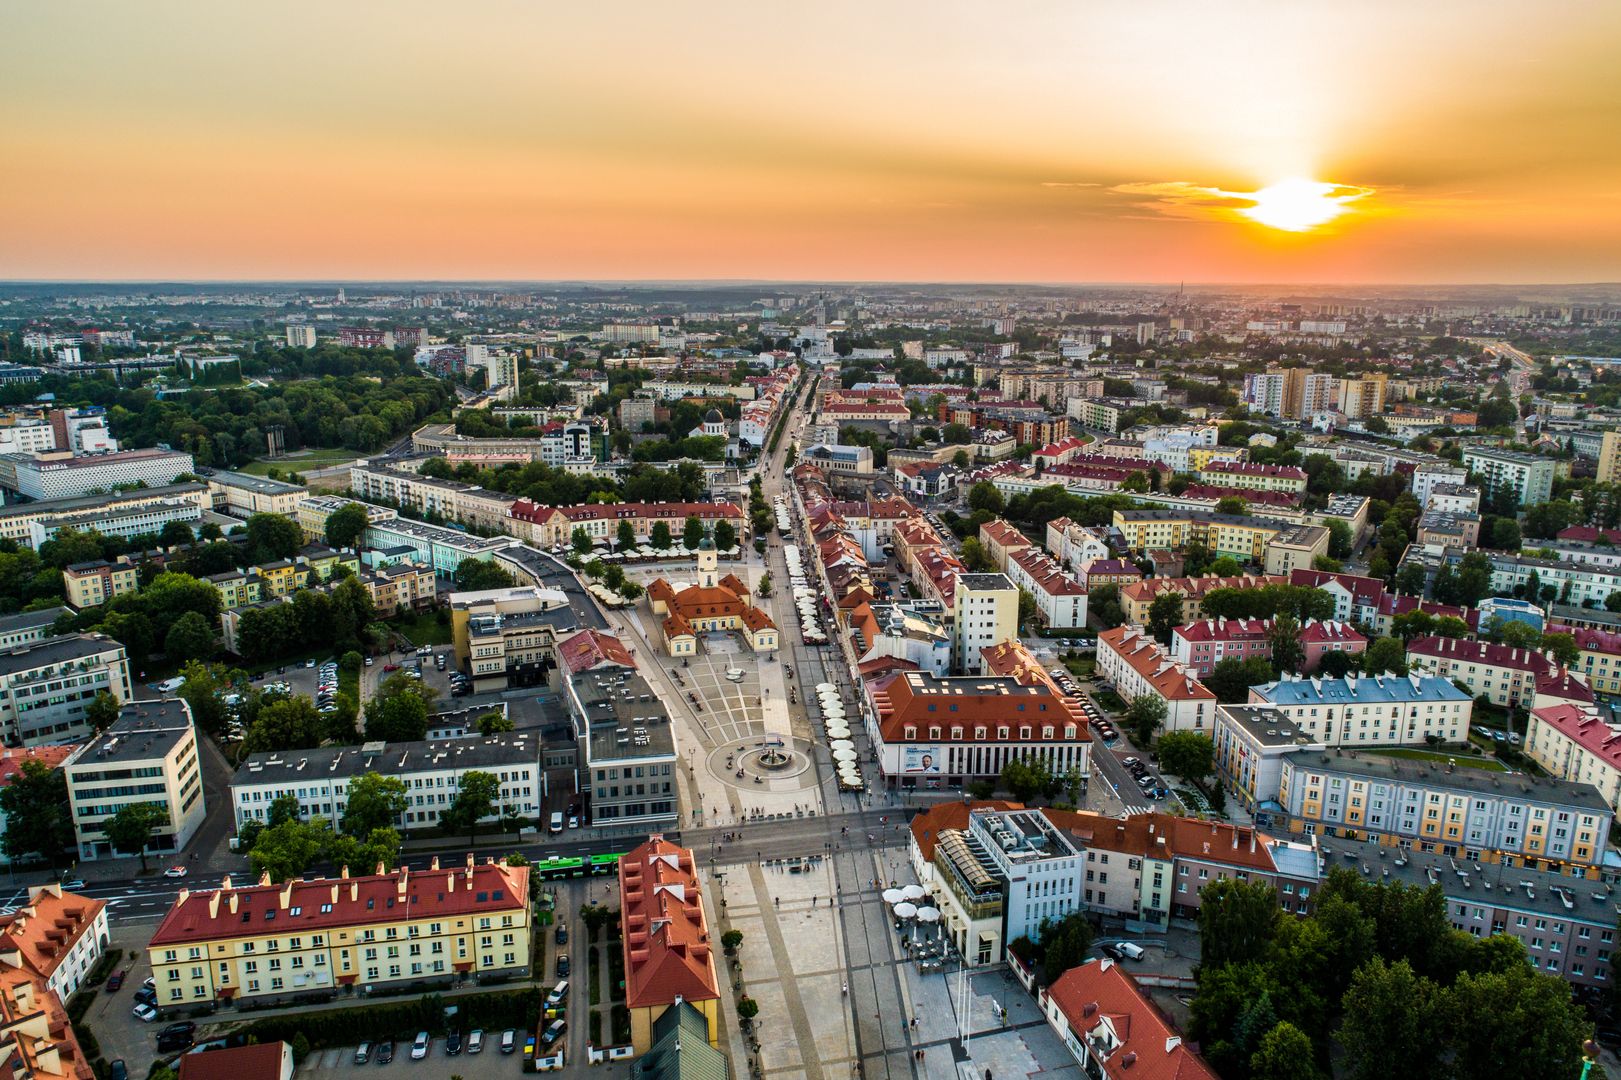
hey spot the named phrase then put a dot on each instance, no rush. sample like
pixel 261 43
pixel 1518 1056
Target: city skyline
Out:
pixel 1257 143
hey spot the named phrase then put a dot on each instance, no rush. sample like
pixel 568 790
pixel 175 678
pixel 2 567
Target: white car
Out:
pixel 419 1048
pixel 144 1013
pixel 175 871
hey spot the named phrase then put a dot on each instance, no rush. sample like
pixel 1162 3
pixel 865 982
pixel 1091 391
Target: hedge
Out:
pixel 401 1019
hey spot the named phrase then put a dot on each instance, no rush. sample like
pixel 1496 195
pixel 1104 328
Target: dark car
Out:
pixel 562 935
pixel 385 1052
pixel 453 1043
pixel 562 966
pixel 115 981
pixel 117 1070
pixel 180 1027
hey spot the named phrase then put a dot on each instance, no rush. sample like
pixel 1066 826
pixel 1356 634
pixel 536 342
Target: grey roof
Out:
pixel 986 581
pixel 390 759
pixel 1517 888
pixel 627 720
pixel 55 650
pixel 28 620
pixel 144 730
pixel 262 484
pixel 1520 786
pixel 1266 724
pixel 79 503
pixel 681 1049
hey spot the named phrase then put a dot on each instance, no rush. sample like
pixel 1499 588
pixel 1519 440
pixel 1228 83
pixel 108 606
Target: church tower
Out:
pixel 708 563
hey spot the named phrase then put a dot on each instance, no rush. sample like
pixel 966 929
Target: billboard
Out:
pixel 921 759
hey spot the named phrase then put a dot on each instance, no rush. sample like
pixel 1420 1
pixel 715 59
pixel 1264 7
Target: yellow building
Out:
pixel 1253 476
pixel 1225 534
pixel 1609 458
pixel 715 603
pixel 265 942
pixel 91 584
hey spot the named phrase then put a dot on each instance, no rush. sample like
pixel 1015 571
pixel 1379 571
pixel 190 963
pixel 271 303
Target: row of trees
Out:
pixel 553 487
pixel 1377 973
pixel 338 619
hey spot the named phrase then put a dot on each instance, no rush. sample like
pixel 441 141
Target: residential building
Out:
pixel 986 613
pixel 46 685
pixel 91 584
pixel 1459 812
pixel 1138 597
pixel 1507 676
pixel 1248 475
pixel 1075 546
pixel 1137 665
pixel 1528 477
pixel 1356 599
pixel 910 631
pixel 53 939
pixel 668 950
pixel 1384 710
pixel 148 755
pixel 28 626
pixel 253 1061
pixel 1000 540
pixel 37 1039
pixel 1609 458
pixel 1579 743
pixel 554 526
pixel 1244 538
pixel 1060 599
pixel 1297 548
pixel 447 500
pixel 431 771
pixel 1363 396
pixel 61 475
pixel 1430 475
pixel 1114 1030
pixel 1448 528
pixel 375 932
pixel 1574 583
pixel 300 336
pixel 1251 742
pixel 1202 645
pixel 242 495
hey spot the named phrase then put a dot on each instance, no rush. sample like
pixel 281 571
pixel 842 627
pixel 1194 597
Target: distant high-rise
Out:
pixel 300 336
pixel 1609 458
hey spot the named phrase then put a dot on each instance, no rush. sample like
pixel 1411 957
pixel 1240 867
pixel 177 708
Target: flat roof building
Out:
pixel 148 755
pixel 46 685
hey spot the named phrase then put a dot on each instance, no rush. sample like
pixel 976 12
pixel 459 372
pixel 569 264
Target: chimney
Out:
pixel 435 864
pixel 214 905
pixel 334 899
pixel 233 901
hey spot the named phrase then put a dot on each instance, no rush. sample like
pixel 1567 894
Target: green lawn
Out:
pixel 300 461
pixel 423 628
pixel 1081 667
pixel 1463 758
pixel 1109 701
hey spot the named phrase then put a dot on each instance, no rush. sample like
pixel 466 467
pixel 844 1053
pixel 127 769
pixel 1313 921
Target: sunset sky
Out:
pixel 1015 140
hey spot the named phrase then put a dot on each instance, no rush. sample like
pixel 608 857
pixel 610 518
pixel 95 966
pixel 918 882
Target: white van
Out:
pixel 169 686
pixel 558 995
pixel 557 822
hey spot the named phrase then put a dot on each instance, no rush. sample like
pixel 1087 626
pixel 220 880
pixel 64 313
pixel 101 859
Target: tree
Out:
pixel 346 525
pixel 1505 534
pixel 1563 647
pixel 204 692
pixel 494 722
pixel 476 794
pixel 1144 717
pixel 1388 1018
pixel 580 539
pixel 1164 616
pixel 286 849
pixel 1520 1023
pixel 730 940
pixel 272 537
pixel 1230 680
pixel 984 496
pixel 285 724
pixel 190 638
pixel 398 712
pixel 725 536
pixel 1336 665
pixel 764 588
pixel 1104 606
pixel 1285 1053
pixel 35 808
pixel 1028 608
pixel 100 713
pixel 1232 504
pixel 1026 778
pixel 1339 538
pixel 1238 921
pixel 374 802
pixel 1288 654
pixel 975 558
pixel 1189 754
pixel 660 537
pixel 956 434
pixel 747 1008
pixel 133 826
pixel 1064 944
pixel 692 533
pixel 477 575
pixel 626 536
pixel 175 534
pixel 1385 655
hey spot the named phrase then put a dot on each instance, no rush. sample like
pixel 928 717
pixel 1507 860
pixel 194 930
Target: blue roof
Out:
pixel 1381 689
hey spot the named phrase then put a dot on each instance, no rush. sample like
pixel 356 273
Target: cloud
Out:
pixel 1292 205
pixel 1068 183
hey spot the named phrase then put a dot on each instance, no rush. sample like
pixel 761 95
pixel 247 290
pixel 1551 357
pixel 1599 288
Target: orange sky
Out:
pixel 1016 140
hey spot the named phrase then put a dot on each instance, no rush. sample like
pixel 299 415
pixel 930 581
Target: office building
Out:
pixel 1040 865
pixel 243 495
pixel 508 637
pixel 148 755
pixel 28 626
pixel 431 771
pixel 46 685
pixel 376 933
pixel 61 475
pixel 628 762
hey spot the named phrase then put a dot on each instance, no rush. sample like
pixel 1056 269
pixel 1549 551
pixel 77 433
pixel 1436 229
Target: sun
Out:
pixel 1299 205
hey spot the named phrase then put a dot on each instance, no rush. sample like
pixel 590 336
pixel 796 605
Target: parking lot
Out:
pixel 406 660
pixel 489 1062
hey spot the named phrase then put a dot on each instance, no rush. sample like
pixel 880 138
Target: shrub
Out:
pixel 399 1019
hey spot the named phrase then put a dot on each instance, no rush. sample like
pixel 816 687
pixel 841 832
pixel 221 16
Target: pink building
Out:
pixel 1204 644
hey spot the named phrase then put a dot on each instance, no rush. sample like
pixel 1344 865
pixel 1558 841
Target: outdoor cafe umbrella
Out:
pixel 904 910
pixel 826 688
pixel 914 892
pixel 845 755
pixel 893 896
pixel 928 914
pixel 840 734
pixel 841 744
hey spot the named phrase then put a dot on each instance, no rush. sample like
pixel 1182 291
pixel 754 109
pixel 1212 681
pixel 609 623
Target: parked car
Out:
pixel 475 1040
pixel 453 1043
pixel 144 1012
pixel 562 934
pixel 363 1053
pixel 385 1052
pixel 509 1040
pixel 117 1070
pixel 1124 950
pixel 115 981
pixel 175 871
pixel 391 667
pixel 562 966
pixel 419 1046
pixel 554 1031
pixel 72 883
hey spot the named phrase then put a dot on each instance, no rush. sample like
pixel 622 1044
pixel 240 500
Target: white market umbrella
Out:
pixel 914 892
pixel 848 769
pixel 905 911
pixel 841 744
pixel 833 712
pixel 928 914
pixel 839 732
pixel 845 755
pixel 826 688
pixel 893 896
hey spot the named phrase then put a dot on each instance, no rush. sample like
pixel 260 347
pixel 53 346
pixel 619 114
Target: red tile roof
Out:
pixel 590 649
pixel 1099 994
pixel 12 758
pixel 921 700
pixel 1366 590
pixel 1588 640
pixel 1215 493
pixel 207 915
pixel 1583 726
pixel 258 1061
pixel 1251 468
pixel 1195 588
pixel 1169 679
pixel 1488 653
pixel 41 932
pixel 666 944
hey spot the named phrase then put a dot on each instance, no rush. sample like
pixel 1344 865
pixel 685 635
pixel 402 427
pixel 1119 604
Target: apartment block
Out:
pixel 46 685
pixel 243 495
pixel 91 584
pixel 986 613
pixel 1528 477
pixel 1384 710
pixel 1137 665
pixel 1506 675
